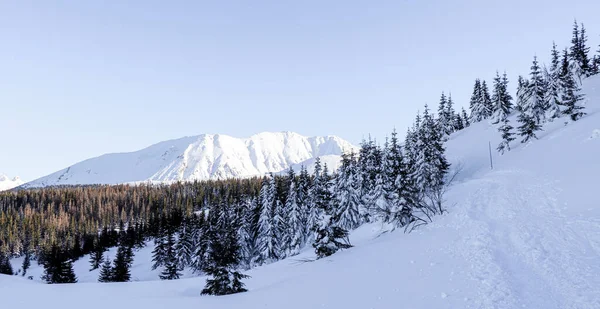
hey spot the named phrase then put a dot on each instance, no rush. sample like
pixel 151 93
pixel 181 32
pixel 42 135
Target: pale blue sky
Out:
pixel 83 78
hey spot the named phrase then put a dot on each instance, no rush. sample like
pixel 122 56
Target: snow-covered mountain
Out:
pixel 201 157
pixel 7 183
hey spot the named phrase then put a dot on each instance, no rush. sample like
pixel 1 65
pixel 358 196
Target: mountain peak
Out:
pixel 7 183
pixel 201 157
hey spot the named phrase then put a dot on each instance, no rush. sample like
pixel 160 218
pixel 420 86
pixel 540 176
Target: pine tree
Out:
pixel 507 136
pixel 281 230
pixel 122 263
pixel 571 97
pixel 5 266
pixel 96 257
pixel 160 247
pixel 536 94
pixel 553 83
pixel 26 261
pixel 185 247
pixel 501 99
pixel 223 257
pixel 171 263
pixel 267 233
pixel 486 100
pixel 451 116
pixel 58 268
pixel 465 118
pixel 329 238
pixel 528 126
pixel 106 272
pixel 346 199
pixel 295 232
pixel 477 104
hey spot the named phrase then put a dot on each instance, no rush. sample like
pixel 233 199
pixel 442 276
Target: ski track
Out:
pixel 526 254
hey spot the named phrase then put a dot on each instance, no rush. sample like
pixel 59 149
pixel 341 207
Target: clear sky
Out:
pixel 82 78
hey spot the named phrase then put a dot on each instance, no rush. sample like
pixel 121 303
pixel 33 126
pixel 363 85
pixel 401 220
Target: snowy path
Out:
pixel 523 251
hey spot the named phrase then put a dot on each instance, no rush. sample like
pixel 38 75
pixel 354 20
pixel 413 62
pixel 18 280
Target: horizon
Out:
pixel 82 80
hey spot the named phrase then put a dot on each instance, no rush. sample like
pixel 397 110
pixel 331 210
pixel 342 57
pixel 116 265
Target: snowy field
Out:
pixel 523 235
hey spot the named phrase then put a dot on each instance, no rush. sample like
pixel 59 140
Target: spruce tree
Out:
pixel 5 266
pixel 96 257
pixel 477 104
pixel 486 100
pixel 295 230
pixel 58 267
pixel 346 200
pixel 451 116
pixel 536 94
pixel 572 97
pixel 160 247
pixel 553 85
pixel 329 238
pixel 507 136
pixel 501 99
pixel 223 256
pixel 267 230
pixel 465 118
pixel 106 271
pixel 185 246
pixel 171 263
pixel 122 263
pixel 26 261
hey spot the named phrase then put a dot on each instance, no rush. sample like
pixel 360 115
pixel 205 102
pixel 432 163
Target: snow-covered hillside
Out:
pixel 7 183
pixel 523 235
pixel 201 157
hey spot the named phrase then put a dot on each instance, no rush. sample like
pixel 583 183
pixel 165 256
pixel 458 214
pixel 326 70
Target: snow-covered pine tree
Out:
pixel 294 222
pixel 171 264
pixel 26 261
pixel 501 99
pixel 536 94
pixel 444 120
pixel 223 257
pixel 267 234
pixel 477 105
pixel 329 238
pixel 185 246
pixel 451 116
pixel 202 228
pixel 553 86
pixel 160 247
pixel 507 136
pixel 528 126
pixel 465 118
pixel 243 220
pixel 571 97
pixel 346 200
pixel 486 99
pixel 281 230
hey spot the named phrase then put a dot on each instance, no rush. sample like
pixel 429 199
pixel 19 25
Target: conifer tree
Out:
pixel 451 115
pixel 58 268
pixel 171 263
pixel 295 230
pixel 159 253
pixel 267 229
pixel 536 94
pixel 572 97
pixel 507 136
pixel 106 271
pixel 501 99
pixel 185 246
pixel 122 263
pixel 223 257
pixel 346 198
pixel 465 118
pixel 96 257
pixel 553 85
pixel 5 266
pixel 486 99
pixel 26 261
pixel 477 104
pixel 329 238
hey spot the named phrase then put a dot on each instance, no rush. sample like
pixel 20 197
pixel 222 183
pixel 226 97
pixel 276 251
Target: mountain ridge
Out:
pixel 200 157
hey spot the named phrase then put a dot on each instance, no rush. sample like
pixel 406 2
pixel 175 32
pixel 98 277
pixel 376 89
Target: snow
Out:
pixel 523 235
pixel 202 157
pixel 7 183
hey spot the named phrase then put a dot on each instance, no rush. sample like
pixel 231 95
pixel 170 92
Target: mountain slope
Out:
pixel 198 158
pixel 8 183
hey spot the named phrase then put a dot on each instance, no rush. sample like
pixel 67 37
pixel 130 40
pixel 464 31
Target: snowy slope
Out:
pixel 523 235
pixel 198 158
pixel 7 183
